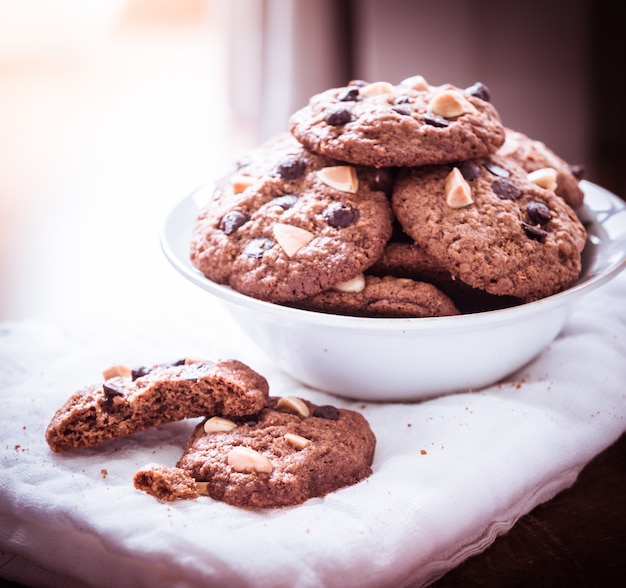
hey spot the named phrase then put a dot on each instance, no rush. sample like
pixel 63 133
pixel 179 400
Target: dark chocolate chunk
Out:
pixel 110 392
pixel 538 213
pixel 497 170
pixel 257 247
pixel 337 116
pixel 338 214
pixel 470 170
pixel 402 100
pixel 291 167
pixel 139 372
pixel 402 109
pixel 326 411
pixel 232 220
pixel 286 201
pixel 479 90
pixel 578 171
pixel 505 190
pixel 350 94
pixel 435 120
pixel 534 232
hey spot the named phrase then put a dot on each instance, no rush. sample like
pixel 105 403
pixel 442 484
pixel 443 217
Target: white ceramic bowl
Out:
pixel 407 359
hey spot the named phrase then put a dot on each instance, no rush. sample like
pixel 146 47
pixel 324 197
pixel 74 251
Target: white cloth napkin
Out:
pixel 449 474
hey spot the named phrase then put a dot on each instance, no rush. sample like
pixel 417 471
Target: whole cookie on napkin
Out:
pixel 545 165
pixel 146 397
pixel 387 296
pixel 489 225
pixel 409 124
pixel 289 223
pixel 290 452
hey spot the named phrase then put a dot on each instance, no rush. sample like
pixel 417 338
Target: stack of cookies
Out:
pixel 406 200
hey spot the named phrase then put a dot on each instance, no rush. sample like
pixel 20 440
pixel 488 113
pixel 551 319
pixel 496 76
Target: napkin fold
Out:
pixel 449 475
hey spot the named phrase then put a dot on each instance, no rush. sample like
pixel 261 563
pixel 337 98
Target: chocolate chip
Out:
pixel 286 201
pixel 338 115
pixel 232 220
pixel 479 90
pixel 110 392
pixel 338 214
pixel 578 171
pixel 435 120
pixel 533 232
pixel 326 412
pixel 402 100
pixel 538 213
pixel 139 372
pixel 497 170
pixel 257 247
pixel 505 190
pixel 402 109
pixel 350 94
pixel 291 167
pixel 470 170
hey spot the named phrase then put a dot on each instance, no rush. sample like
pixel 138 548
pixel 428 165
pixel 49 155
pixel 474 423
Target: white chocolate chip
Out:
pixel 116 370
pixel 241 182
pixel 294 404
pixel 291 238
pixel 510 145
pixel 450 104
pixel 354 285
pixel 376 88
pixel 296 440
pixel 340 177
pixel 544 178
pixel 246 460
pixel 218 425
pixel 458 191
pixel 416 82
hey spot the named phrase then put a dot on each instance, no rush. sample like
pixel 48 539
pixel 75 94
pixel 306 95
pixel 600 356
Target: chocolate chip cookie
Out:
pixel 382 297
pixel 409 124
pixel 406 259
pixel 131 400
pixel 293 450
pixel 492 227
pixel 288 223
pixel 545 165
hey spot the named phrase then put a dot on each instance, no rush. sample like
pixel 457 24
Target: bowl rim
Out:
pixel 600 207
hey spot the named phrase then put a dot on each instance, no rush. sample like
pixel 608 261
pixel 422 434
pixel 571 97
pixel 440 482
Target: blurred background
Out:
pixel 111 111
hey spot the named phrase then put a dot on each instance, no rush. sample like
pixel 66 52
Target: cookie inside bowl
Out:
pixel 408 359
pixel 398 241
